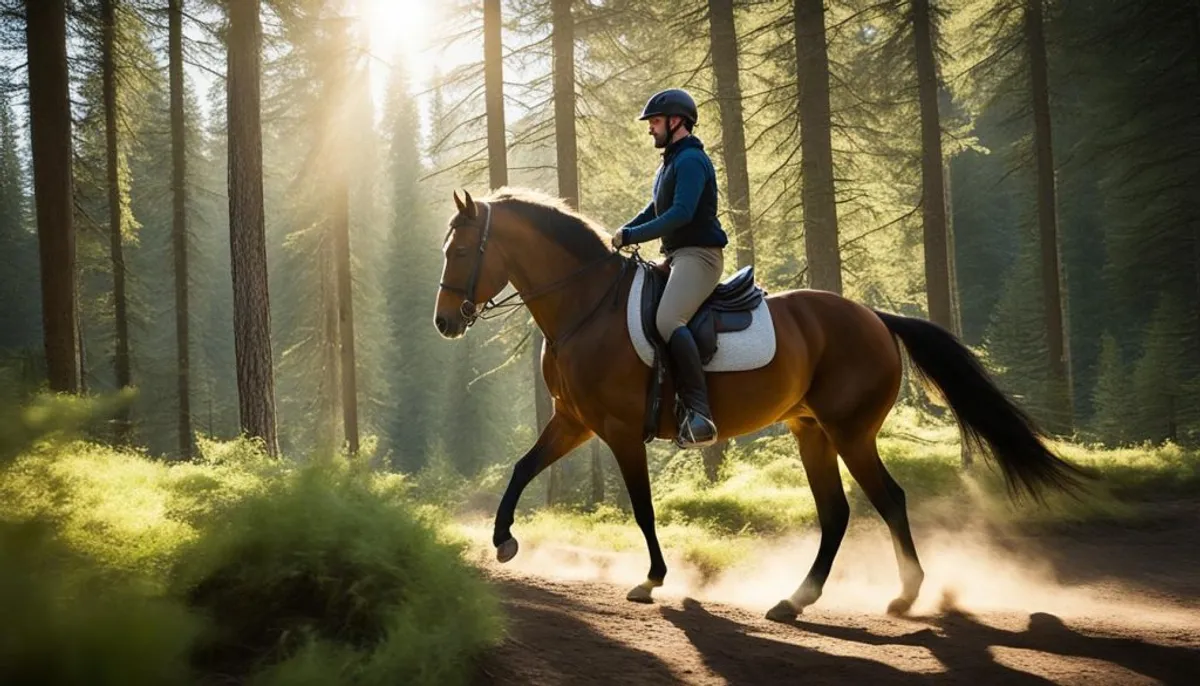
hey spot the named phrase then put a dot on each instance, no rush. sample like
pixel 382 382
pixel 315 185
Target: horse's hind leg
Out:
pixel 861 455
pixel 820 464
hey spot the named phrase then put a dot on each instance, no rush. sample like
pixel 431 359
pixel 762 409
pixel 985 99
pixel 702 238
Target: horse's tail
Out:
pixel 991 423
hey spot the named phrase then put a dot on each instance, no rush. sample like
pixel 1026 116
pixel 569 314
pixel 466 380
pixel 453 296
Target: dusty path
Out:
pixel 1088 605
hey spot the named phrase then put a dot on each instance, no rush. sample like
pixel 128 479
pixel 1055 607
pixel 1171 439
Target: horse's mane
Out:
pixel 553 218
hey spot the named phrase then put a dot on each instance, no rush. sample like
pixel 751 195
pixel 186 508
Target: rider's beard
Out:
pixel 660 140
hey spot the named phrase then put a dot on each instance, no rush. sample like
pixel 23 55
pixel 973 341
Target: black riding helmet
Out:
pixel 671 102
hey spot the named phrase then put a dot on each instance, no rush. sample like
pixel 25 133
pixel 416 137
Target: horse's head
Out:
pixel 473 270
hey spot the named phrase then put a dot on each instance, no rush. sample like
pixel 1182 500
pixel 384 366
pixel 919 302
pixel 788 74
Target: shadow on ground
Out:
pixel 958 640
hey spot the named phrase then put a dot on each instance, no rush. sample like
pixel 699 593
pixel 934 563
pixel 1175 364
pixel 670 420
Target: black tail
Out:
pixel 991 423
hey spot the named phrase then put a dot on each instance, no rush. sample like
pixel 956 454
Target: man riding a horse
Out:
pixel 683 213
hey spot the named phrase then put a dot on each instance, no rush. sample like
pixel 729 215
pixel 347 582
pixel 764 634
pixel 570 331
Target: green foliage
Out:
pixel 119 569
pixel 323 576
pixel 70 622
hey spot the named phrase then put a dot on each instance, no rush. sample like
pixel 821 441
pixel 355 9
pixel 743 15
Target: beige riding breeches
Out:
pixel 695 272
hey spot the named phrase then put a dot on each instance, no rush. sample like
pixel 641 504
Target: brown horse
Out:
pixel 833 379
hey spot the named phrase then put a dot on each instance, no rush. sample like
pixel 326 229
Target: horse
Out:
pixel 833 379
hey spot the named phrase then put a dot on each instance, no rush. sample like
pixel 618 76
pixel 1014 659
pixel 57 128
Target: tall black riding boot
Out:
pixel 696 427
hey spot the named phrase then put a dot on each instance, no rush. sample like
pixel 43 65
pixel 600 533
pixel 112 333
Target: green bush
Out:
pixel 67 620
pixel 326 579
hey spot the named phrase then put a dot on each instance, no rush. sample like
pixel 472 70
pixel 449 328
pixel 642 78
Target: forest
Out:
pixel 221 226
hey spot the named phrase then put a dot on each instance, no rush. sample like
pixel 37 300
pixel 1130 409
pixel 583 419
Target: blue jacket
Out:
pixel 684 209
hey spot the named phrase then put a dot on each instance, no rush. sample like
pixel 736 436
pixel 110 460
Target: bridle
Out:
pixel 468 308
pixel 471 312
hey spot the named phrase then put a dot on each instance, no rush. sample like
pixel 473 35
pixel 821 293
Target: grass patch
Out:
pixel 115 568
pixel 326 577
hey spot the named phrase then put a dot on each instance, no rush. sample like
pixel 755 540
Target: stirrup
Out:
pixel 685 438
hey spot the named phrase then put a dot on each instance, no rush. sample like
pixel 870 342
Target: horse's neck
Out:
pixel 559 293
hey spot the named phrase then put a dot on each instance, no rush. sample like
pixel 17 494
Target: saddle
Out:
pixel 729 308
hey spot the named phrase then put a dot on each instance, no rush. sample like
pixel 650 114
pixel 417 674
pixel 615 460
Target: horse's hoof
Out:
pixel 900 606
pixel 642 592
pixel 783 611
pixel 506 550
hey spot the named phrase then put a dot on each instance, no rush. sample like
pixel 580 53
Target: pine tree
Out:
pixel 417 356
pixel 252 310
pixel 20 321
pixel 1161 373
pixel 1111 396
pixel 50 128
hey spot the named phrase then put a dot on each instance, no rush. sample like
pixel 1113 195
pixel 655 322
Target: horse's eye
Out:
pixel 461 251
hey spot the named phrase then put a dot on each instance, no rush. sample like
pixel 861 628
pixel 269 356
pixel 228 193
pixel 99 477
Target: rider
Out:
pixel 683 213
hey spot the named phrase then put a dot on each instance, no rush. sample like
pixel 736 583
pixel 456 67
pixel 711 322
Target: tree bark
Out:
pixel 563 45
pixel 493 83
pixel 1046 207
pixel 345 294
pixel 248 250
pixel 179 231
pixel 108 69
pixel 724 44
pixel 50 134
pixel 329 400
pixel 816 148
pixel 933 192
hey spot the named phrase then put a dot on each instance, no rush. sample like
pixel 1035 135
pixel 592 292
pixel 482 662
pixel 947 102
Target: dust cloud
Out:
pixel 970 567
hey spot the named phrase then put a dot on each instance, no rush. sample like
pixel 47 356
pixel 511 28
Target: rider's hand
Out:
pixel 618 238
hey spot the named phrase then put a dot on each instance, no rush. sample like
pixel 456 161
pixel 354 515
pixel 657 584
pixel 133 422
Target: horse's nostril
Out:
pixel 440 323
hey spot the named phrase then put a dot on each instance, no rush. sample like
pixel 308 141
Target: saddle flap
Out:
pixel 738 293
pixel 728 322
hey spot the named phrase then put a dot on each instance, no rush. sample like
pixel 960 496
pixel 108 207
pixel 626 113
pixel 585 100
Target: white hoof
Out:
pixel 506 550
pixel 642 592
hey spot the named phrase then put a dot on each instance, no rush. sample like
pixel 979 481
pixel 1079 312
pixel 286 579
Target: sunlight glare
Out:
pixel 400 29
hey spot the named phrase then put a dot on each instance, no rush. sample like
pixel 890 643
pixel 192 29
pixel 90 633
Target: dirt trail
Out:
pixel 1087 605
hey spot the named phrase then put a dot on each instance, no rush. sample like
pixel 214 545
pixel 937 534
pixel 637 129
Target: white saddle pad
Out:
pixel 737 351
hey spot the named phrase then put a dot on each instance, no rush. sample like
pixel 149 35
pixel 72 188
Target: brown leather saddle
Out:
pixel 729 308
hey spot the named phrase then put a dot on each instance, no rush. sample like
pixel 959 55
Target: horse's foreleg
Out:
pixel 631 458
pixel 562 434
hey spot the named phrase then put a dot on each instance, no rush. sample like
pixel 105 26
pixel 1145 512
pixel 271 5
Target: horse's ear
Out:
pixel 470 210
pixel 459 202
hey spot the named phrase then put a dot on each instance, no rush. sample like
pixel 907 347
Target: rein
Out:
pixel 491 309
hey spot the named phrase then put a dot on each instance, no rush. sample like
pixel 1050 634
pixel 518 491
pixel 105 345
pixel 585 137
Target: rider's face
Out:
pixel 658 129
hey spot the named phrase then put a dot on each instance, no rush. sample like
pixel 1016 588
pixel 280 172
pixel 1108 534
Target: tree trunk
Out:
pixel 328 403
pixel 179 235
pixel 1046 209
pixel 712 457
pixel 248 250
pixel 933 192
pixel 493 83
pixel 816 148
pixel 108 69
pixel 50 134
pixel 563 45
pixel 724 44
pixel 345 299
pixel 565 144
pixel 597 473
